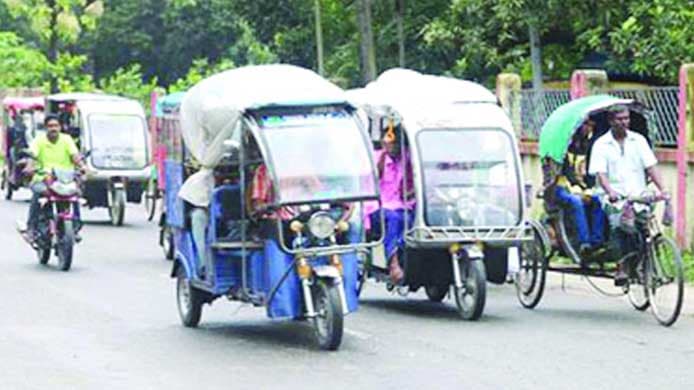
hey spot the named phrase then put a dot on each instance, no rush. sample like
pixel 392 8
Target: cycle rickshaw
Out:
pixel 467 222
pixel 112 131
pixel 655 270
pixel 295 254
pixel 22 117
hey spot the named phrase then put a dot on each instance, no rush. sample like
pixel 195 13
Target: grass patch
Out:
pixel 688 260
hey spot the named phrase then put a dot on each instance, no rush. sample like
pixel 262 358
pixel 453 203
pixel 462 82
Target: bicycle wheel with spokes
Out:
pixel 636 289
pixel 665 280
pixel 530 280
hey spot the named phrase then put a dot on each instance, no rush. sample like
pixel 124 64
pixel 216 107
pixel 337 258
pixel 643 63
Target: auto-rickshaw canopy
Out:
pixel 561 125
pixel 16 104
pixel 169 103
pixel 213 109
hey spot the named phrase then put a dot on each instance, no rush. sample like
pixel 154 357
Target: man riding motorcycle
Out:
pixel 53 150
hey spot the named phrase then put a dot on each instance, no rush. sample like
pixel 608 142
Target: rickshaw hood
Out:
pixel 560 126
pixel 22 103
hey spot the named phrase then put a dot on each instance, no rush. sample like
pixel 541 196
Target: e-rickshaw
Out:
pixel 167 150
pixel 112 132
pixel 284 131
pixel 467 220
pixel 22 117
pixel 165 111
pixel 632 234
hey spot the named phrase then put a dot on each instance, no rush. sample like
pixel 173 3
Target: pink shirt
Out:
pixel 391 184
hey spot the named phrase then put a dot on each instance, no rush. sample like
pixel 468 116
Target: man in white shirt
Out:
pixel 621 159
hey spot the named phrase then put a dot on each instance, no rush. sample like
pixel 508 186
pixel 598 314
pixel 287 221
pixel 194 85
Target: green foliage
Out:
pixel 197 72
pixel 69 74
pixel 128 82
pixel 20 65
pixel 688 259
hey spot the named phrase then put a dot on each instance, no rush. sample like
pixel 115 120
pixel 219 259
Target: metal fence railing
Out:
pixel 662 103
pixel 536 107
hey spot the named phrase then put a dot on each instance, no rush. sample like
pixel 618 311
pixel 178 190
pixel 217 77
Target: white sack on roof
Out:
pixel 213 108
pixel 405 90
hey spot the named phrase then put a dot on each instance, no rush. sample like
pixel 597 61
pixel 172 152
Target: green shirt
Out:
pixel 50 155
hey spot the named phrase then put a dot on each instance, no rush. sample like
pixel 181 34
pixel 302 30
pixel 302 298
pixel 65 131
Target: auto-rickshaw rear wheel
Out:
pixel 329 321
pixel 471 297
pixel 166 239
pixel 436 293
pixel 149 199
pixel 189 300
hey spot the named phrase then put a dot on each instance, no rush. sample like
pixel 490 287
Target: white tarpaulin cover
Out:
pixel 407 90
pixel 212 109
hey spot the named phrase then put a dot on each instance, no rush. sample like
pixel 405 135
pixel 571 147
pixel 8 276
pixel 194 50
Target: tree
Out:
pixel 57 23
pixel 367 50
pixel 20 65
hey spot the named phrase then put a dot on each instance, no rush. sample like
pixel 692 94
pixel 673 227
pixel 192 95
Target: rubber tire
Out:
pixel 640 306
pixel 477 277
pixel 118 200
pixel 43 255
pixel 436 293
pixel 66 243
pixel 679 270
pixel 530 298
pixel 190 318
pixel 167 243
pixel 149 199
pixel 327 298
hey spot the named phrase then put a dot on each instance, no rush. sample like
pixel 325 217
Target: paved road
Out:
pixel 111 323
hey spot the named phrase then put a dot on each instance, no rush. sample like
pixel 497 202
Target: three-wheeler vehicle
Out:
pixel 653 261
pixel 112 130
pixel 466 223
pixel 165 111
pixel 22 117
pixel 167 150
pixel 274 160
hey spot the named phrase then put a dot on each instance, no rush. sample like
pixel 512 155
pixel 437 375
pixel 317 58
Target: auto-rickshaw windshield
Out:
pixel 470 177
pixel 118 141
pixel 318 157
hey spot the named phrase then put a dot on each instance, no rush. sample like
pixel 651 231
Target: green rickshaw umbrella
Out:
pixel 558 129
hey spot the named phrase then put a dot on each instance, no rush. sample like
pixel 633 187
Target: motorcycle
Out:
pixel 57 223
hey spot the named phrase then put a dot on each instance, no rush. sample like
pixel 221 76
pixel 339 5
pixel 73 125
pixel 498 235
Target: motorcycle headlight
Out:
pixel 64 189
pixel 321 225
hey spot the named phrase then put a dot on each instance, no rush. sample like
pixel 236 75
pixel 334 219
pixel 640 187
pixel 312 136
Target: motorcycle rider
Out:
pixel 52 150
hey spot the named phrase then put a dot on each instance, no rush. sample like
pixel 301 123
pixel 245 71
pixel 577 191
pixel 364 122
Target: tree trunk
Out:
pixel 53 43
pixel 368 54
pixel 399 21
pixel 319 37
pixel 535 56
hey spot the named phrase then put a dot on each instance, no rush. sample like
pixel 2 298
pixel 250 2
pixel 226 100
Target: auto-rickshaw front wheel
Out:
pixel 189 301
pixel 329 321
pixel 471 297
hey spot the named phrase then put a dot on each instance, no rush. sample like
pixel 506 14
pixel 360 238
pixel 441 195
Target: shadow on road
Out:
pixel 423 308
pixel 265 334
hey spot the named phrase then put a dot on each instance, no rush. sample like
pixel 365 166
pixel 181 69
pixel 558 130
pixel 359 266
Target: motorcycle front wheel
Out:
pixel 66 242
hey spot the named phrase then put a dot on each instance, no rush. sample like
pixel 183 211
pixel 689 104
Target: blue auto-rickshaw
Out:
pixel 296 255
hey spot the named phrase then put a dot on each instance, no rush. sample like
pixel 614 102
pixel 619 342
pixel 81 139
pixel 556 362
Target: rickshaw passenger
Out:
pixel 572 190
pixel 395 181
pixel 619 159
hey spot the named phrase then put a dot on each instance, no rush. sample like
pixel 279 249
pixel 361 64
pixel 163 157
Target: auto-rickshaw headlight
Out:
pixel 321 225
